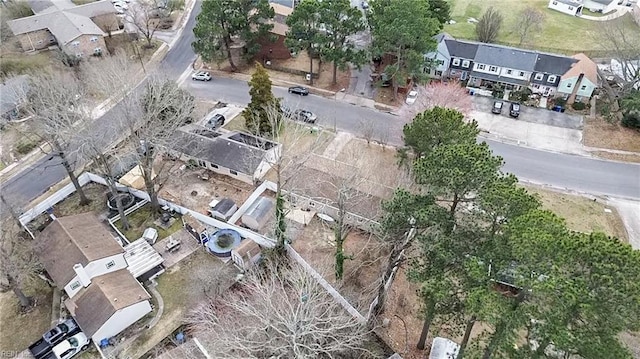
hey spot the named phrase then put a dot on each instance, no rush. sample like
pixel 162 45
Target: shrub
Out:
pixel 579 106
pixel 631 120
pixel 560 101
pixel 24 147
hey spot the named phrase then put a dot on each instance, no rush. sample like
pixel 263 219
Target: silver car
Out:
pixel 201 76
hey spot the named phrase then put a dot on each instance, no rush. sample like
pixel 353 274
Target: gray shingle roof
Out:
pixel 65 23
pixel 492 77
pixel 553 64
pixel 462 49
pixel 508 57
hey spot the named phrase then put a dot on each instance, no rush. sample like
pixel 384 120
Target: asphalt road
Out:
pixel 560 170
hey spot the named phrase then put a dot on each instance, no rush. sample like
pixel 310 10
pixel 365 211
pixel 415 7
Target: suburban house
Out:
pixel 235 154
pixel 575 7
pixel 109 305
pixel 72 257
pixel 77 30
pixel 272 47
pixel 83 258
pixel 12 96
pixel 440 58
pixel 487 65
pixel 579 82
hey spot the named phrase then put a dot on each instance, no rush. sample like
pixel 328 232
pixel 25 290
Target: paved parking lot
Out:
pixel 531 114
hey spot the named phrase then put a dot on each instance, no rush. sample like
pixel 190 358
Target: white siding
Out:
pixel 564 8
pixel 122 319
pixel 94 269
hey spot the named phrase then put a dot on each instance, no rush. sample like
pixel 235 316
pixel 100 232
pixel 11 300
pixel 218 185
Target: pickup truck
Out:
pixel 54 336
pixel 69 347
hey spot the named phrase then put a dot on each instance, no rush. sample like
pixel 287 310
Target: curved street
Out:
pixel 577 173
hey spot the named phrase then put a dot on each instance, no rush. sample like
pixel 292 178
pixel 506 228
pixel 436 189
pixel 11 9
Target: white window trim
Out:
pixel 521 73
pixel 465 63
pixel 551 79
pixel 539 77
pixel 456 62
pixel 75 285
pixel 583 87
pixel 509 72
pixel 481 67
pixel 493 68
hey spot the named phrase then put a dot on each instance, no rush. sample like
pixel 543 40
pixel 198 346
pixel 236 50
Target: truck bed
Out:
pixel 40 348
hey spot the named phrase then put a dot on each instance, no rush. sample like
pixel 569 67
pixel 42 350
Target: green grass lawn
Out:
pixel 560 32
pixel 143 218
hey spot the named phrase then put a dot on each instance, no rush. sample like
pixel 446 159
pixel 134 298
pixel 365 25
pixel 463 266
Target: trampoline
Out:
pixel 222 242
pixel 127 200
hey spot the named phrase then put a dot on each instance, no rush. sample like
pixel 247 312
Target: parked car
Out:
pixel 54 336
pixel 70 347
pixel 514 110
pixel 201 76
pixel 150 235
pixel 305 116
pixel 497 107
pixel 286 110
pixel 214 122
pixel 299 90
pixel 411 97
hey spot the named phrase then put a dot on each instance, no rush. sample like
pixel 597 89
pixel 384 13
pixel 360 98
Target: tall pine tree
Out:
pixel 257 115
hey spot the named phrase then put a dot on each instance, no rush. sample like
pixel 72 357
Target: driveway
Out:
pixel 531 114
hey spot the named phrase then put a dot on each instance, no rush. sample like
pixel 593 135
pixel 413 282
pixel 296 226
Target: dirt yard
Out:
pixel 17 141
pixel 188 190
pixel 601 134
pixel 96 193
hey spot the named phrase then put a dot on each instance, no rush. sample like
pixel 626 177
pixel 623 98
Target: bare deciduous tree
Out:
pixel 57 102
pixel 18 262
pixel 281 313
pixel 145 17
pixel 488 27
pixel 443 94
pixel 530 19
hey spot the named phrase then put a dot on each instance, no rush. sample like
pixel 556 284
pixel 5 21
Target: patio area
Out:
pixel 188 245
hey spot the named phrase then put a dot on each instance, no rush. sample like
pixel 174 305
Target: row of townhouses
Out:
pixel 484 66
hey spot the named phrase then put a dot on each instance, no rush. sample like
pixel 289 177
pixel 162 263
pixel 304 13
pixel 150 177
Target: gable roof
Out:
pixel 553 64
pixel 93 306
pixel 65 23
pixel 222 150
pixel 585 66
pixel 70 240
pixel 12 92
pixel 604 2
pixel 462 49
pixel 506 57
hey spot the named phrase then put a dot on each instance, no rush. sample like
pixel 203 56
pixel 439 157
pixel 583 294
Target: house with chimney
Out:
pixel 580 81
pixel 85 260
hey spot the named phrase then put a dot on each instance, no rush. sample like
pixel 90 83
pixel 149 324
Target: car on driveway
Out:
pixel 214 121
pixel 201 76
pixel 514 110
pixel 305 116
pixel 497 107
pixel 299 90
pixel 411 97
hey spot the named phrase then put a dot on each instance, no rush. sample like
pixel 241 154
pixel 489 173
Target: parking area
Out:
pixel 531 114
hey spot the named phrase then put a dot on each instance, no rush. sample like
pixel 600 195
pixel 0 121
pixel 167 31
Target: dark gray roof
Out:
pixel 553 64
pixel 224 205
pixel 492 77
pixel 508 57
pixel 220 150
pixel 462 49
pixel 603 2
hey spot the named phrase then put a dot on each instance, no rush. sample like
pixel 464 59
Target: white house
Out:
pixel 109 305
pixel 76 249
pixel 569 7
pixel 236 154
pixel 603 6
pixel 439 58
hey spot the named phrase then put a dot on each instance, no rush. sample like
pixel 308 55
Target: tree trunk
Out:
pixel 335 73
pixel 227 46
pixel 501 328
pixel 67 166
pixel 311 65
pixel 429 315
pixel 25 301
pixel 467 335
pixel 114 192
pixel 340 237
pixel 281 224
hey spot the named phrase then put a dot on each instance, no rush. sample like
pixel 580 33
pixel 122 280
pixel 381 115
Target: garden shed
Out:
pixel 259 213
pixel 246 254
pixel 223 209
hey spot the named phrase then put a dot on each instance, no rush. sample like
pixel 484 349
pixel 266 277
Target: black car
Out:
pixel 514 110
pixel 299 90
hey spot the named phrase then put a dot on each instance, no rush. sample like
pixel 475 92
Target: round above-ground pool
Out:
pixel 222 242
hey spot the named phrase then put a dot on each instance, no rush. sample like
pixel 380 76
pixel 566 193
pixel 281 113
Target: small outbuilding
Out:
pixel 246 254
pixel 143 261
pixel 223 209
pixel 259 213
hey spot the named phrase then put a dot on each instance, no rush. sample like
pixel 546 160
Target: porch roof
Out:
pixel 496 78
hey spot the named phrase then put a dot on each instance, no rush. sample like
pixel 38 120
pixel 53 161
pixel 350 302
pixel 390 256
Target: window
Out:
pixel 93 39
pixel 539 77
pixel 583 87
pixel 465 63
pixel 79 55
pixel 480 67
pixel 75 285
pixel 456 62
pixel 52 39
pixel 570 7
pixel 111 264
pixel 509 72
pixel 552 79
pixel 493 68
pixel 569 85
pixel 75 43
pixel 213 166
pixel 555 3
pixel 233 172
pixel 97 51
pixel 438 73
pixel 521 73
